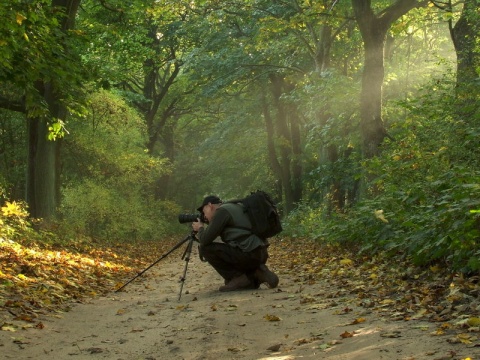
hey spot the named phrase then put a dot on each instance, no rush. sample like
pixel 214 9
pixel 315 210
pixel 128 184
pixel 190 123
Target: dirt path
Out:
pixel 147 321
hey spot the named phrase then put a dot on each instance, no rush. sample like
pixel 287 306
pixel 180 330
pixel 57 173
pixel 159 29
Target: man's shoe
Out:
pixel 238 283
pixel 265 275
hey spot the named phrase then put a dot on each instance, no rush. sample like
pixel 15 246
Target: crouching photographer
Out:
pixel 241 256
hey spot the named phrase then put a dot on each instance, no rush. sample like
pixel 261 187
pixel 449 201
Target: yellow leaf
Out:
pixel 419 314
pixel 20 18
pixel 473 321
pixel 387 301
pixel 379 215
pixel 358 321
pixel 465 338
pixel 8 328
pixel 12 209
pixel 346 262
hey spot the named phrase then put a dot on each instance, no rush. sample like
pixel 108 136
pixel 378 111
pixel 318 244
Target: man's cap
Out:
pixel 212 199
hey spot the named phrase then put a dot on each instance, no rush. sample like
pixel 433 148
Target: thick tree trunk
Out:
pixel 372 126
pixel 465 36
pixel 43 169
pixel 373 28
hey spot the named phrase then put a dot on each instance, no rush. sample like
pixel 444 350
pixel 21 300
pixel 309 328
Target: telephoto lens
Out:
pixel 186 218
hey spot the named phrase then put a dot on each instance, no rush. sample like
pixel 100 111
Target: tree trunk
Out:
pixel 465 39
pixel 272 155
pixel 297 168
pixel 285 153
pixel 168 140
pixel 43 170
pixel 374 30
pixel 43 162
pixel 371 123
pixel 157 113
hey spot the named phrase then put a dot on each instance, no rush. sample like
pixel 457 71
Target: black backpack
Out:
pixel 263 214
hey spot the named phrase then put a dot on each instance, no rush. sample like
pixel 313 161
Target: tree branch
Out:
pixel 8 104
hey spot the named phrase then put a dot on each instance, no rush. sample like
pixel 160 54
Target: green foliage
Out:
pixel 304 222
pixel 13 152
pixel 331 145
pixel 110 176
pixel 110 214
pixel 422 199
pixel 34 49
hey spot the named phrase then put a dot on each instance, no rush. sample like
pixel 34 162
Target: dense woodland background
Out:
pixel 360 117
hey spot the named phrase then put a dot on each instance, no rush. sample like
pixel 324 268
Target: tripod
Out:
pixel 186 256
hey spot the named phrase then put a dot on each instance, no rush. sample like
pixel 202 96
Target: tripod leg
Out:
pixel 186 256
pixel 189 237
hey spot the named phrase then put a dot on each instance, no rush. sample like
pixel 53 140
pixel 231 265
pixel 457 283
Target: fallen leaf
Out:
pixel 346 262
pixel 473 321
pixel 95 350
pixel 324 346
pixel 275 347
pixel 269 317
pixel 465 338
pixel 8 328
pixel 358 321
pixel 393 334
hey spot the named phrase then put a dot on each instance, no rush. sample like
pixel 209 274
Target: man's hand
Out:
pixel 196 226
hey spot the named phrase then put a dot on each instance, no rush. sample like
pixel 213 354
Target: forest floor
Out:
pixel 330 304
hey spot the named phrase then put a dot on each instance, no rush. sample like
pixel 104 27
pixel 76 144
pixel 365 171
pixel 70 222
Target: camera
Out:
pixel 185 218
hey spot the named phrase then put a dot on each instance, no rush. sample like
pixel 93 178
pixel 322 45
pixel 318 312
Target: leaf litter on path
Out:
pixel 36 282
